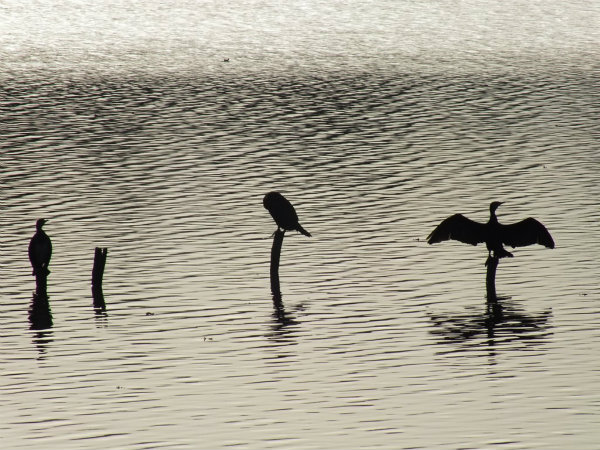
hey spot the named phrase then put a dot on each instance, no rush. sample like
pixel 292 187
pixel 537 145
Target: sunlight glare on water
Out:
pixel 127 128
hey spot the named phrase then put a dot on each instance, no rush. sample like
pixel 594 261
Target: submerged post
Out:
pixel 490 279
pixel 275 256
pixel 97 274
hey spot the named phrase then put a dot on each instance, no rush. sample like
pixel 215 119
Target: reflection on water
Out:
pixel 172 181
pixel 40 319
pixel 284 319
pixel 136 140
pixel 41 341
pixel 282 329
pixel 500 321
pixel 40 316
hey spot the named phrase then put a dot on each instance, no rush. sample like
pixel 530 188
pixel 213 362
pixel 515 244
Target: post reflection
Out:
pixel 101 317
pixel 40 320
pixel 499 319
pixel 282 327
pixel 40 316
pixel 280 315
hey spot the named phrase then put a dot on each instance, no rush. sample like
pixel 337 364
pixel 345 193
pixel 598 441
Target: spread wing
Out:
pixel 459 228
pixel 526 232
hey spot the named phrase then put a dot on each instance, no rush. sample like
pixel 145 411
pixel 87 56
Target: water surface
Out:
pixel 126 129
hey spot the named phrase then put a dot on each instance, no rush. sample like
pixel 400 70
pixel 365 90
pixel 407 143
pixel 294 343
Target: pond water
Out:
pixel 156 130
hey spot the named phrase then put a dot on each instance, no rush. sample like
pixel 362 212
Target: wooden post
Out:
pixel 97 274
pixel 275 256
pixel 490 279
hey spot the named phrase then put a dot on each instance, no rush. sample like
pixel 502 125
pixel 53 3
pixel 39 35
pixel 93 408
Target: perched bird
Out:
pixel 40 249
pixel 283 212
pixel 526 232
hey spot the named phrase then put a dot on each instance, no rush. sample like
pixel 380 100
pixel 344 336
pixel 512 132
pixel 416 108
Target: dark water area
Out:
pixel 163 157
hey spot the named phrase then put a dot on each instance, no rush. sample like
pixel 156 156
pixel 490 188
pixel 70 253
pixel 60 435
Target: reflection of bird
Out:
pixel 40 249
pixel 283 212
pixel 526 232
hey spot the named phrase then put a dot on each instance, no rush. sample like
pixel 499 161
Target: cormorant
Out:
pixel 283 212
pixel 40 249
pixel 526 232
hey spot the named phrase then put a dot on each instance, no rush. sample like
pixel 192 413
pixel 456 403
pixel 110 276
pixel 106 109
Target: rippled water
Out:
pixel 125 127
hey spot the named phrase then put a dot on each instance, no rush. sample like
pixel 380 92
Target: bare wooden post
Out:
pixel 275 256
pixel 490 279
pixel 97 274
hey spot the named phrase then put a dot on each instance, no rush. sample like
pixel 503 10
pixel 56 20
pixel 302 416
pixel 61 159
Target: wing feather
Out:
pixel 526 232
pixel 459 228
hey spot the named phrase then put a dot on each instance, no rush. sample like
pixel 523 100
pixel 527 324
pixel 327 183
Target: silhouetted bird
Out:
pixel 40 249
pixel 283 212
pixel 526 232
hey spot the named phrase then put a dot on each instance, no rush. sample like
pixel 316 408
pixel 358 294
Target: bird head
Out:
pixel 271 199
pixel 40 223
pixel 494 206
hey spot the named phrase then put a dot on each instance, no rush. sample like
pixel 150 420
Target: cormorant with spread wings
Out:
pixel 526 232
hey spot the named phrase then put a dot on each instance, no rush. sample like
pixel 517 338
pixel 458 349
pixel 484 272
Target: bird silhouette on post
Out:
pixel 283 213
pixel 40 250
pixel 285 216
pixel 495 235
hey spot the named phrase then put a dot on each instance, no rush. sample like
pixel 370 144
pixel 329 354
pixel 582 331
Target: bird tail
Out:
pixel 303 231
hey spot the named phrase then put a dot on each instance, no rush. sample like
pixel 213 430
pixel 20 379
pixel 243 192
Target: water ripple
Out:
pixel 379 334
